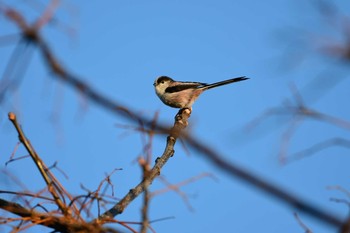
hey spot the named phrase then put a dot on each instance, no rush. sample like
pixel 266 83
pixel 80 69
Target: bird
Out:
pixel 179 94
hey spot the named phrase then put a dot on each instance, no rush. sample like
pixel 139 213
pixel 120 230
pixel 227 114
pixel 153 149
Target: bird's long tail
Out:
pixel 232 80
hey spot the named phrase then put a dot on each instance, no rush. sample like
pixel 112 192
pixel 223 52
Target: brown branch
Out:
pixel 57 191
pixel 180 123
pixel 59 224
pixel 145 166
pixel 47 15
pixel 329 119
pixel 26 194
pixel 346 227
pixel 15 208
pixel 52 187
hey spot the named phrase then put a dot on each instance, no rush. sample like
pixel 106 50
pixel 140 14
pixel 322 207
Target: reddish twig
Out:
pixel 145 166
pixel 176 187
pixel 180 123
pixel 52 186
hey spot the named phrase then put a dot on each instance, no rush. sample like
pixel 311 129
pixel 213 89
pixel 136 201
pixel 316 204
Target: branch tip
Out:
pixel 12 116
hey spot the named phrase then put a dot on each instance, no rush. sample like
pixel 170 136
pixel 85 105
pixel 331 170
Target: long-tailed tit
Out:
pixel 179 94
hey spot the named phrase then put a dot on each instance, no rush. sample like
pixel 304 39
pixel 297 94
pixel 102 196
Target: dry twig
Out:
pixel 53 188
pixel 180 123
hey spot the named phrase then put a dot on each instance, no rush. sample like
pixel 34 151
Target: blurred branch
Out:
pixel 339 188
pixel 27 194
pixel 299 112
pixel 306 229
pixel 341 142
pixel 15 68
pixel 255 180
pixel 145 166
pixel 47 15
pixel 176 187
pixel 338 200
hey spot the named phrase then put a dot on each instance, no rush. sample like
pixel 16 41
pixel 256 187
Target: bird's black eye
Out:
pixel 163 79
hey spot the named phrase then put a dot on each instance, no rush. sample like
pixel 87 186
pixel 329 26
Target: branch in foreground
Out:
pixel 52 186
pixel 287 197
pixel 60 224
pixel 180 123
pixel 145 167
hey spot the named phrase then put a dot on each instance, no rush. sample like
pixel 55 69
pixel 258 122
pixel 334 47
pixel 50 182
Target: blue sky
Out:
pixel 120 47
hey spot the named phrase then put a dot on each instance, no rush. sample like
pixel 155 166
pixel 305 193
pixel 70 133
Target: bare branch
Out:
pixel 306 229
pixel 27 194
pixel 180 123
pixel 341 142
pixel 47 15
pixel 145 166
pixel 340 188
pixel 288 197
pixel 176 187
pixel 52 187
pixel 60 224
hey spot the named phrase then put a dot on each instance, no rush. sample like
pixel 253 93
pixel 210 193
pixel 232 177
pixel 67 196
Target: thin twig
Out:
pixel 26 194
pixel 52 187
pixel 317 147
pixel 180 123
pixel 60 224
pixel 176 187
pixel 339 188
pixel 306 229
pixel 146 196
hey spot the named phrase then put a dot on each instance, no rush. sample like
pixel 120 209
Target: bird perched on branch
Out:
pixel 178 94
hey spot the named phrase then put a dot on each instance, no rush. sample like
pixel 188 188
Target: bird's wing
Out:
pixel 184 86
